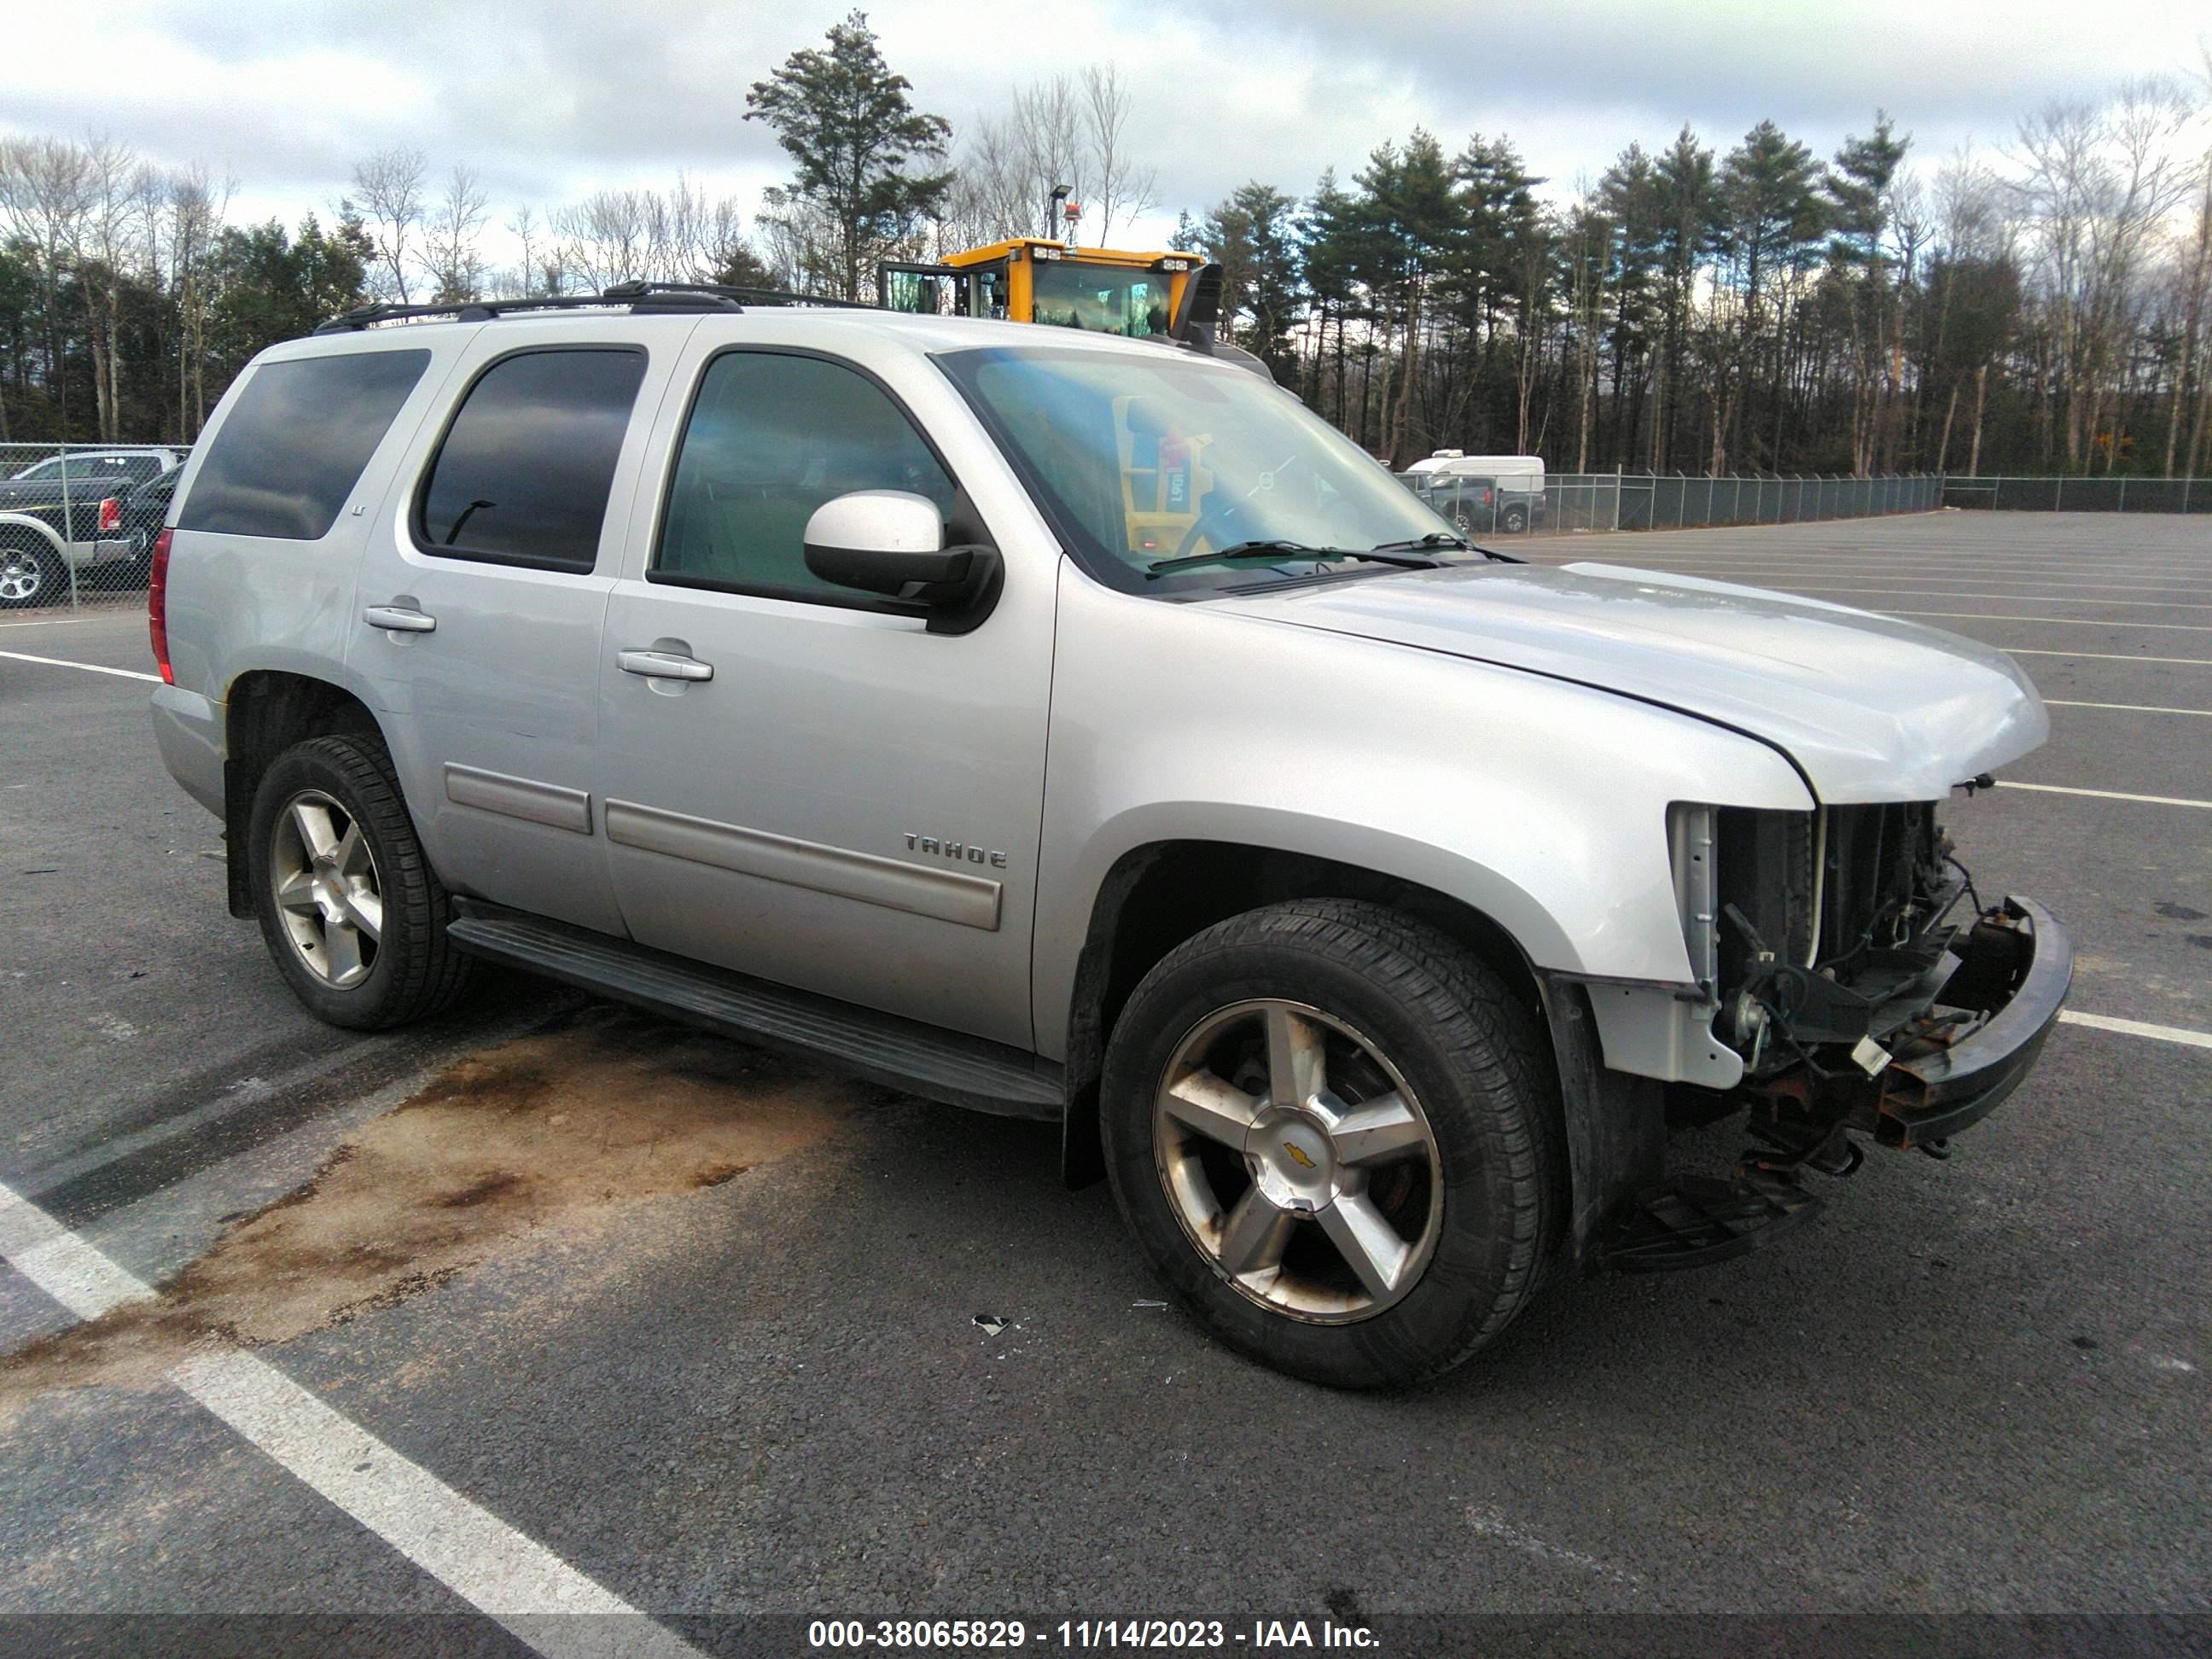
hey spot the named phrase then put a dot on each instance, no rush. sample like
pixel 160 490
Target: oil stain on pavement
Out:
pixel 505 1148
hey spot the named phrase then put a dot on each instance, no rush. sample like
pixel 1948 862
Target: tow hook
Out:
pixel 1938 1150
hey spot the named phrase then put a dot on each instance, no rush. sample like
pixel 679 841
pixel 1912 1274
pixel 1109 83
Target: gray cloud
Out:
pixel 551 102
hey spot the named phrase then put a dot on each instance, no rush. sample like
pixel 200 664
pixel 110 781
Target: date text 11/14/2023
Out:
pixel 1170 1635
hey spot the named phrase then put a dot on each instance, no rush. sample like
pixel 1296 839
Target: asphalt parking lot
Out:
pixel 702 1327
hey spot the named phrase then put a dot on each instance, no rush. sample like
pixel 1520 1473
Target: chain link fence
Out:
pixel 77 521
pixel 2049 494
pixel 1573 501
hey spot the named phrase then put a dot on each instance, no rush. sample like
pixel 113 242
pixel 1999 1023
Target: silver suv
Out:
pixel 1078 728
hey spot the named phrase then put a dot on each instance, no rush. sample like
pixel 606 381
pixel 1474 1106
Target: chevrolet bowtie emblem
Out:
pixel 1297 1155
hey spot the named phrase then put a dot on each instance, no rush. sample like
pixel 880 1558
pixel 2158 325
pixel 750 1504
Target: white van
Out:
pixel 1482 493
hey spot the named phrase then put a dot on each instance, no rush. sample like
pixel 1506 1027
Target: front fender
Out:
pixel 1539 802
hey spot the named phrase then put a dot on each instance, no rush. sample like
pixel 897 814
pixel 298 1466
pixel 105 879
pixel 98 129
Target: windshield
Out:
pixel 1070 294
pixel 1140 457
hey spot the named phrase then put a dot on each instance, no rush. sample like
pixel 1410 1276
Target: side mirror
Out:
pixel 893 542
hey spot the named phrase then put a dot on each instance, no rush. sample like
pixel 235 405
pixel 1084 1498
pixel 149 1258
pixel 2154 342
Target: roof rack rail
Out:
pixel 640 296
pixel 1192 329
pixel 759 297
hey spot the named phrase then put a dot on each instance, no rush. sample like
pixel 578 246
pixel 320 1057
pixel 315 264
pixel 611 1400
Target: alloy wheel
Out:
pixel 1298 1161
pixel 324 877
pixel 22 576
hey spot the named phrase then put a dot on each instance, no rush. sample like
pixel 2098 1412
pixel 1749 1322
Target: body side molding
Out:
pixel 551 804
pixel 949 895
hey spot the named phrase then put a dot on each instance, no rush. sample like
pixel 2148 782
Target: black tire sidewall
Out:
pixel 329 764
pixel 1471 1285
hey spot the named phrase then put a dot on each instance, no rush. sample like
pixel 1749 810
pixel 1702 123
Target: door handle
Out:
pixel 399 618
pixel 663 666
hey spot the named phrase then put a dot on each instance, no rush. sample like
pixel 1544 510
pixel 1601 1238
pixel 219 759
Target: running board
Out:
pixel 900 1054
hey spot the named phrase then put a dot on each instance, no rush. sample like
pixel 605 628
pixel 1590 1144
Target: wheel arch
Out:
pixel 22 530
pixel 1156 896
pixel 265 713
pixel 1609 1125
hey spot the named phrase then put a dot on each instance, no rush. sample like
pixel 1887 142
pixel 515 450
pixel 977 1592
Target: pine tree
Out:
pixel 845 119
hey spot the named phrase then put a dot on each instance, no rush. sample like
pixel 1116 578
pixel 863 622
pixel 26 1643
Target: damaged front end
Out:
pixel 1866 989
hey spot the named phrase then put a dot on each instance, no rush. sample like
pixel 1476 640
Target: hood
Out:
pixel 1869 707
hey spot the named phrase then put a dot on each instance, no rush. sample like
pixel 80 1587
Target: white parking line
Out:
pixel 2103 656
pixel 1941 591
pixel 515 1580
pixel 2128 707
pixel 1922 557
pixel 2107 794
pixel 88 667
pixel 1858 579
pixel 2071 622
pixel 2124 583
pixel 1934 555
pixel 2137 1028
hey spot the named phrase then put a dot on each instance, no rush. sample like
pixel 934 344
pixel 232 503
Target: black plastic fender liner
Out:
pixel 1615 1124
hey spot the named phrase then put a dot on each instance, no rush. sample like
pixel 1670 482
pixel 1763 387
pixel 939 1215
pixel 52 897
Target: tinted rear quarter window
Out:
pixel 293 448
pixel 524 473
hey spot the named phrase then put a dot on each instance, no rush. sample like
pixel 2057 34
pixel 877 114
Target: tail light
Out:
pixel 111 514
pixel 157 606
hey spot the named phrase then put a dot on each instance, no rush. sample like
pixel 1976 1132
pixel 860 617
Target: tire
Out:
pixel 31 576
pixel 1515 520
pixel 362 966
pixel 1391 1007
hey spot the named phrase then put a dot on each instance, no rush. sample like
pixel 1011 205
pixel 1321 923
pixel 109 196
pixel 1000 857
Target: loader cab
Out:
pixel 1034 280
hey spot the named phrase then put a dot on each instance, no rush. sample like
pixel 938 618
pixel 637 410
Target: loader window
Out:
pixel 1070 294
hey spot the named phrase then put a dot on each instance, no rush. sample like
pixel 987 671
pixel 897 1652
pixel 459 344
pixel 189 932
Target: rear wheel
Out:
pixel 1329 1127
pixel 31 576
pixel 351 909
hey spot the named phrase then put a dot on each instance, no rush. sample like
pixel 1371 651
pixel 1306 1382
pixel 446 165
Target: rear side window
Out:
pixel 294 446
pixel 524 473
pixel 770 437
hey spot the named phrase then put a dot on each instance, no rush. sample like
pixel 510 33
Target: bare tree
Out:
pixel 1119 187
pixel 2098 184
pixel 107 245
pixel 44 188
pixel 196 208
pixel 524 228
pixel 684 234
pixel 387 195
pixel 613 236
pixel 451 259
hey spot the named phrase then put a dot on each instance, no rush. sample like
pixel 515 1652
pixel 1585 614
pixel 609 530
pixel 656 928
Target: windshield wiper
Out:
pixel 1444 539
pixel 1284 549
pixel 1434 538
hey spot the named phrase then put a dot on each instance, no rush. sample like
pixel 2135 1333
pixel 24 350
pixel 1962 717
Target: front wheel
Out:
pixel 351 909
pixel 1515 520
pixel 1329 1128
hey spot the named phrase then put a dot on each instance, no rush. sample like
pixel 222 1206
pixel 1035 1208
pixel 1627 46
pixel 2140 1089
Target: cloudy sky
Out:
pixel 551 102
